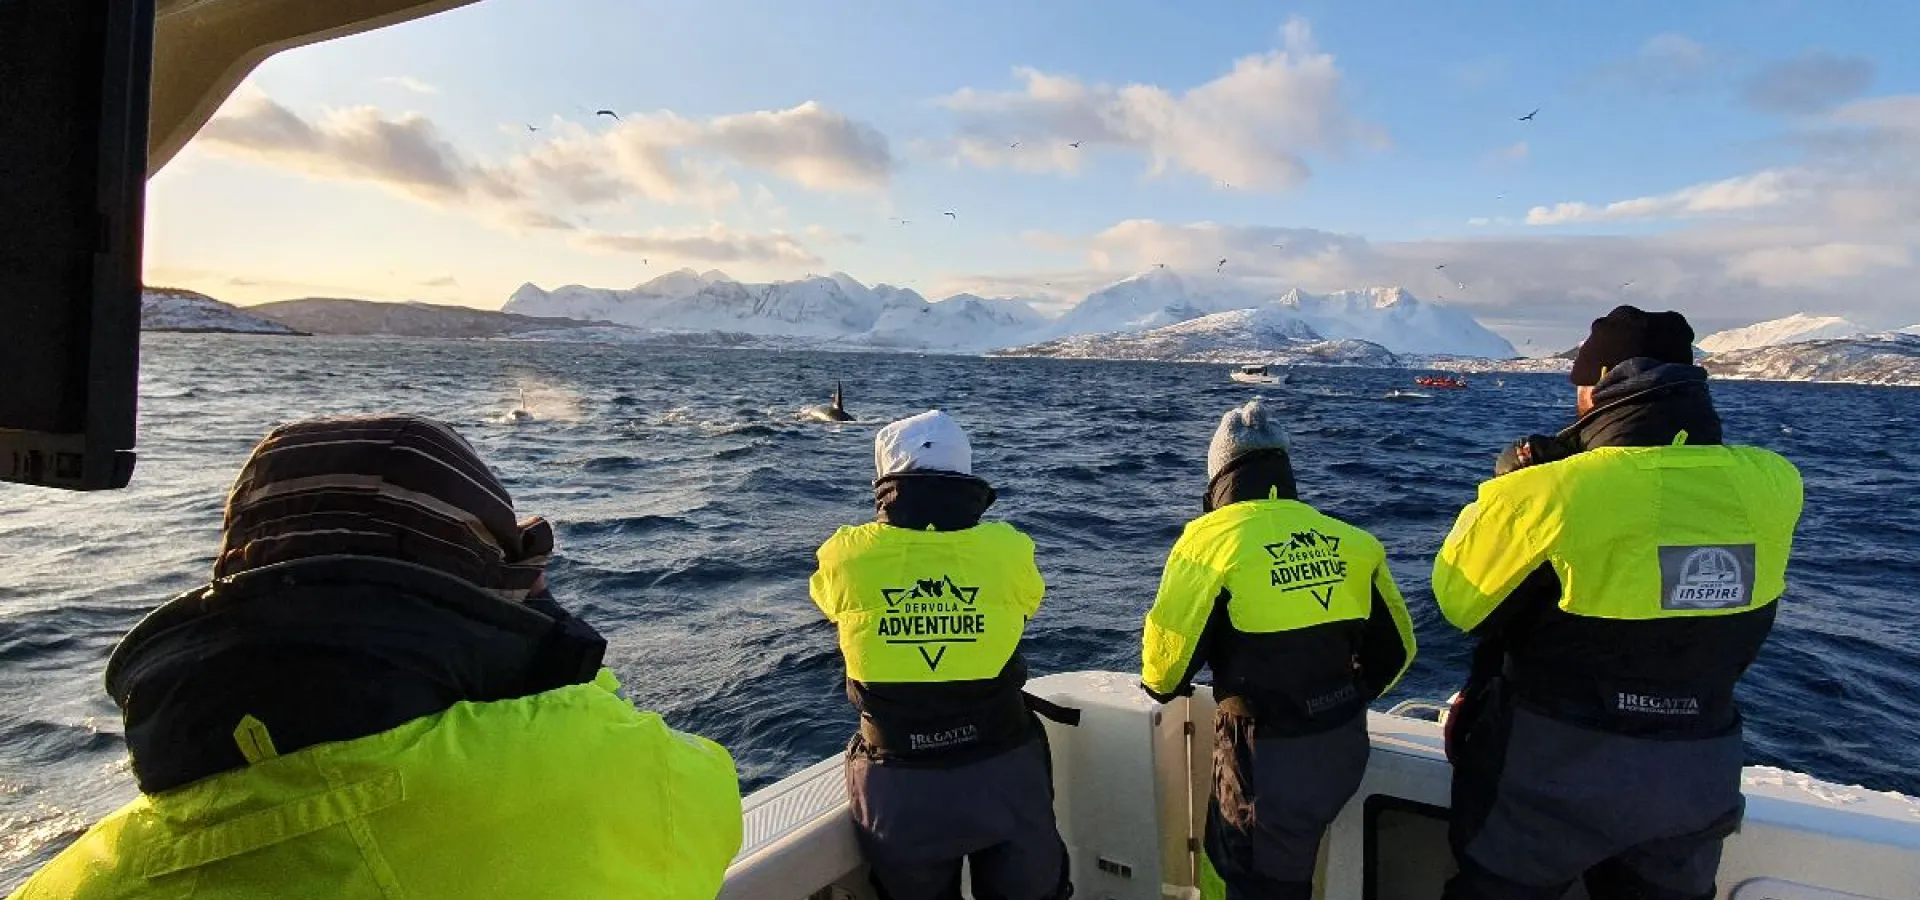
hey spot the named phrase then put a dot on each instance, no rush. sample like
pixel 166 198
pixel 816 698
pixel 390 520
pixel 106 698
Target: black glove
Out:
pixel 1183 691
pixel 1532 450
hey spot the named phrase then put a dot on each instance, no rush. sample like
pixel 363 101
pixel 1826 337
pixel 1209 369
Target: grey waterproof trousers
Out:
pixel 916 824
pixel 1539 804
pixel 1273 799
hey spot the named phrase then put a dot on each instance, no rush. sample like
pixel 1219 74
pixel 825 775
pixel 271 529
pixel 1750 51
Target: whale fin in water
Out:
pixel 836 411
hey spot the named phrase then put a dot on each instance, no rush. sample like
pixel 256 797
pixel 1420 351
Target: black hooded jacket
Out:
pixel 327 649
pixel 1572 667
pixel 1281 678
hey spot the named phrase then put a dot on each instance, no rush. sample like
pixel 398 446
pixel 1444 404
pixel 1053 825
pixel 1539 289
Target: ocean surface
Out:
pixel 689 496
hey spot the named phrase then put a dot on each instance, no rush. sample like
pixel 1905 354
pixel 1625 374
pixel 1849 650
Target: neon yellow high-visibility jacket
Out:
pixel 929 624
pixel 1629 587
pixel 568 793
pixel 1295 611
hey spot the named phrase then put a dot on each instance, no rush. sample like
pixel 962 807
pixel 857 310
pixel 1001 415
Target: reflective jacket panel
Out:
pixel 927 606
pixel 569 793
pixel 1633 533
pixel 1284 568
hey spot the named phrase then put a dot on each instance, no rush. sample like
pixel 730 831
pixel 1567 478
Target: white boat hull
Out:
pixel 1131 788
pixel 1257 379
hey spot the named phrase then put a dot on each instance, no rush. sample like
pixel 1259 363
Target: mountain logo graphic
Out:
pixel 932 615
pixel 1310 562
pixel 1301 541
pixel 930 589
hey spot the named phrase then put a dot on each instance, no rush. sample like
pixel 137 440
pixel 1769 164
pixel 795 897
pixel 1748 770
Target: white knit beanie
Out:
pixel 929 442
pixel 1243 430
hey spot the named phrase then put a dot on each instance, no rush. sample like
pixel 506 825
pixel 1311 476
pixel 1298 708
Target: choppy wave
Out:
pixel 688 502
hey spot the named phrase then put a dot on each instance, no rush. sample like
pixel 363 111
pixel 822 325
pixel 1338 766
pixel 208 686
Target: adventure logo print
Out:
pixel 1308 561
pixel 932 615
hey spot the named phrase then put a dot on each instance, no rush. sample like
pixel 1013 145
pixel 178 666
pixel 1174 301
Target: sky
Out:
pixel 1735 161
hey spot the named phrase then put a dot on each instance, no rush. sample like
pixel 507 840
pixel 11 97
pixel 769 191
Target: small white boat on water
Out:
pixel 1131 784
pixel 1260 375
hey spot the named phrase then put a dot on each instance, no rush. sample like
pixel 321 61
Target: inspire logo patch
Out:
pixel 1713 576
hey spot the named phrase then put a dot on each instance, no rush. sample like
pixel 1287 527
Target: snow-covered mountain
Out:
pixel 1388 316
pixel 173 309
pixel 829 308
pixel 840 310
pixel 1887 358
pixel 1395 319
pixel 1264 335
pixel 1160 297
pixel 1792 329
pixel 960 322
pixel 1911 329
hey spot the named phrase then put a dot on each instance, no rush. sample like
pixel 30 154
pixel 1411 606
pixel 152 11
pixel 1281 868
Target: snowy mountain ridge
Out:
pixel 828 308
pixel 1890 358
pixel 838 308
pixel 1792 329
pixel 1260 335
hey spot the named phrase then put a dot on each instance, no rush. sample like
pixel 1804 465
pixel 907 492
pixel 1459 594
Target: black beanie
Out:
pixel 1627 333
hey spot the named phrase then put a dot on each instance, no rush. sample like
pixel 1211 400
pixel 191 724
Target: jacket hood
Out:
pixel 940 501
pixel 1647 403
pixel 1260 475
pixel 327 649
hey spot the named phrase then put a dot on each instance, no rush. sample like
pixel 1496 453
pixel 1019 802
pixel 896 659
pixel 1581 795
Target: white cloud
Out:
pixel 1676 50
pixel 1897 114
pixel 1811 266
pixel 714 244
pixel 1248 129
pixel 410 83
pixel 659 157
pixel 1665 64
pixel 405 153
pixel 1745 193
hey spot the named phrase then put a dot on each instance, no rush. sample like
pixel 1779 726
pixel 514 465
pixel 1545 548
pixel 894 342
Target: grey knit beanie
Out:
pixel 1243 430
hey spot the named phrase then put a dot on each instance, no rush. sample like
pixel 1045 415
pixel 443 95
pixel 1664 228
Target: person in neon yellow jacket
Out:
pixel 1619 578
pixel 377 697
pixel 929 602
pixel 1303 626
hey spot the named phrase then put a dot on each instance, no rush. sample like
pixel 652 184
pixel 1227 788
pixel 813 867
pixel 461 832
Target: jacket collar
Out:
pixel 1261 475
pixel 1646 403
pixel 935 501
pixel 327 649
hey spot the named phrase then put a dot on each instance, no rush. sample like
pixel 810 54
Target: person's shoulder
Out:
pixel 849 539
pixel 1537 484
pixel 1217 535
pixel 104 862
pixel 1762 458
pixel 1002 534
pixel 1360 538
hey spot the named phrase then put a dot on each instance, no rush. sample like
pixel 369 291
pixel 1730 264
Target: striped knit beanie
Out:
pixel 397 487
